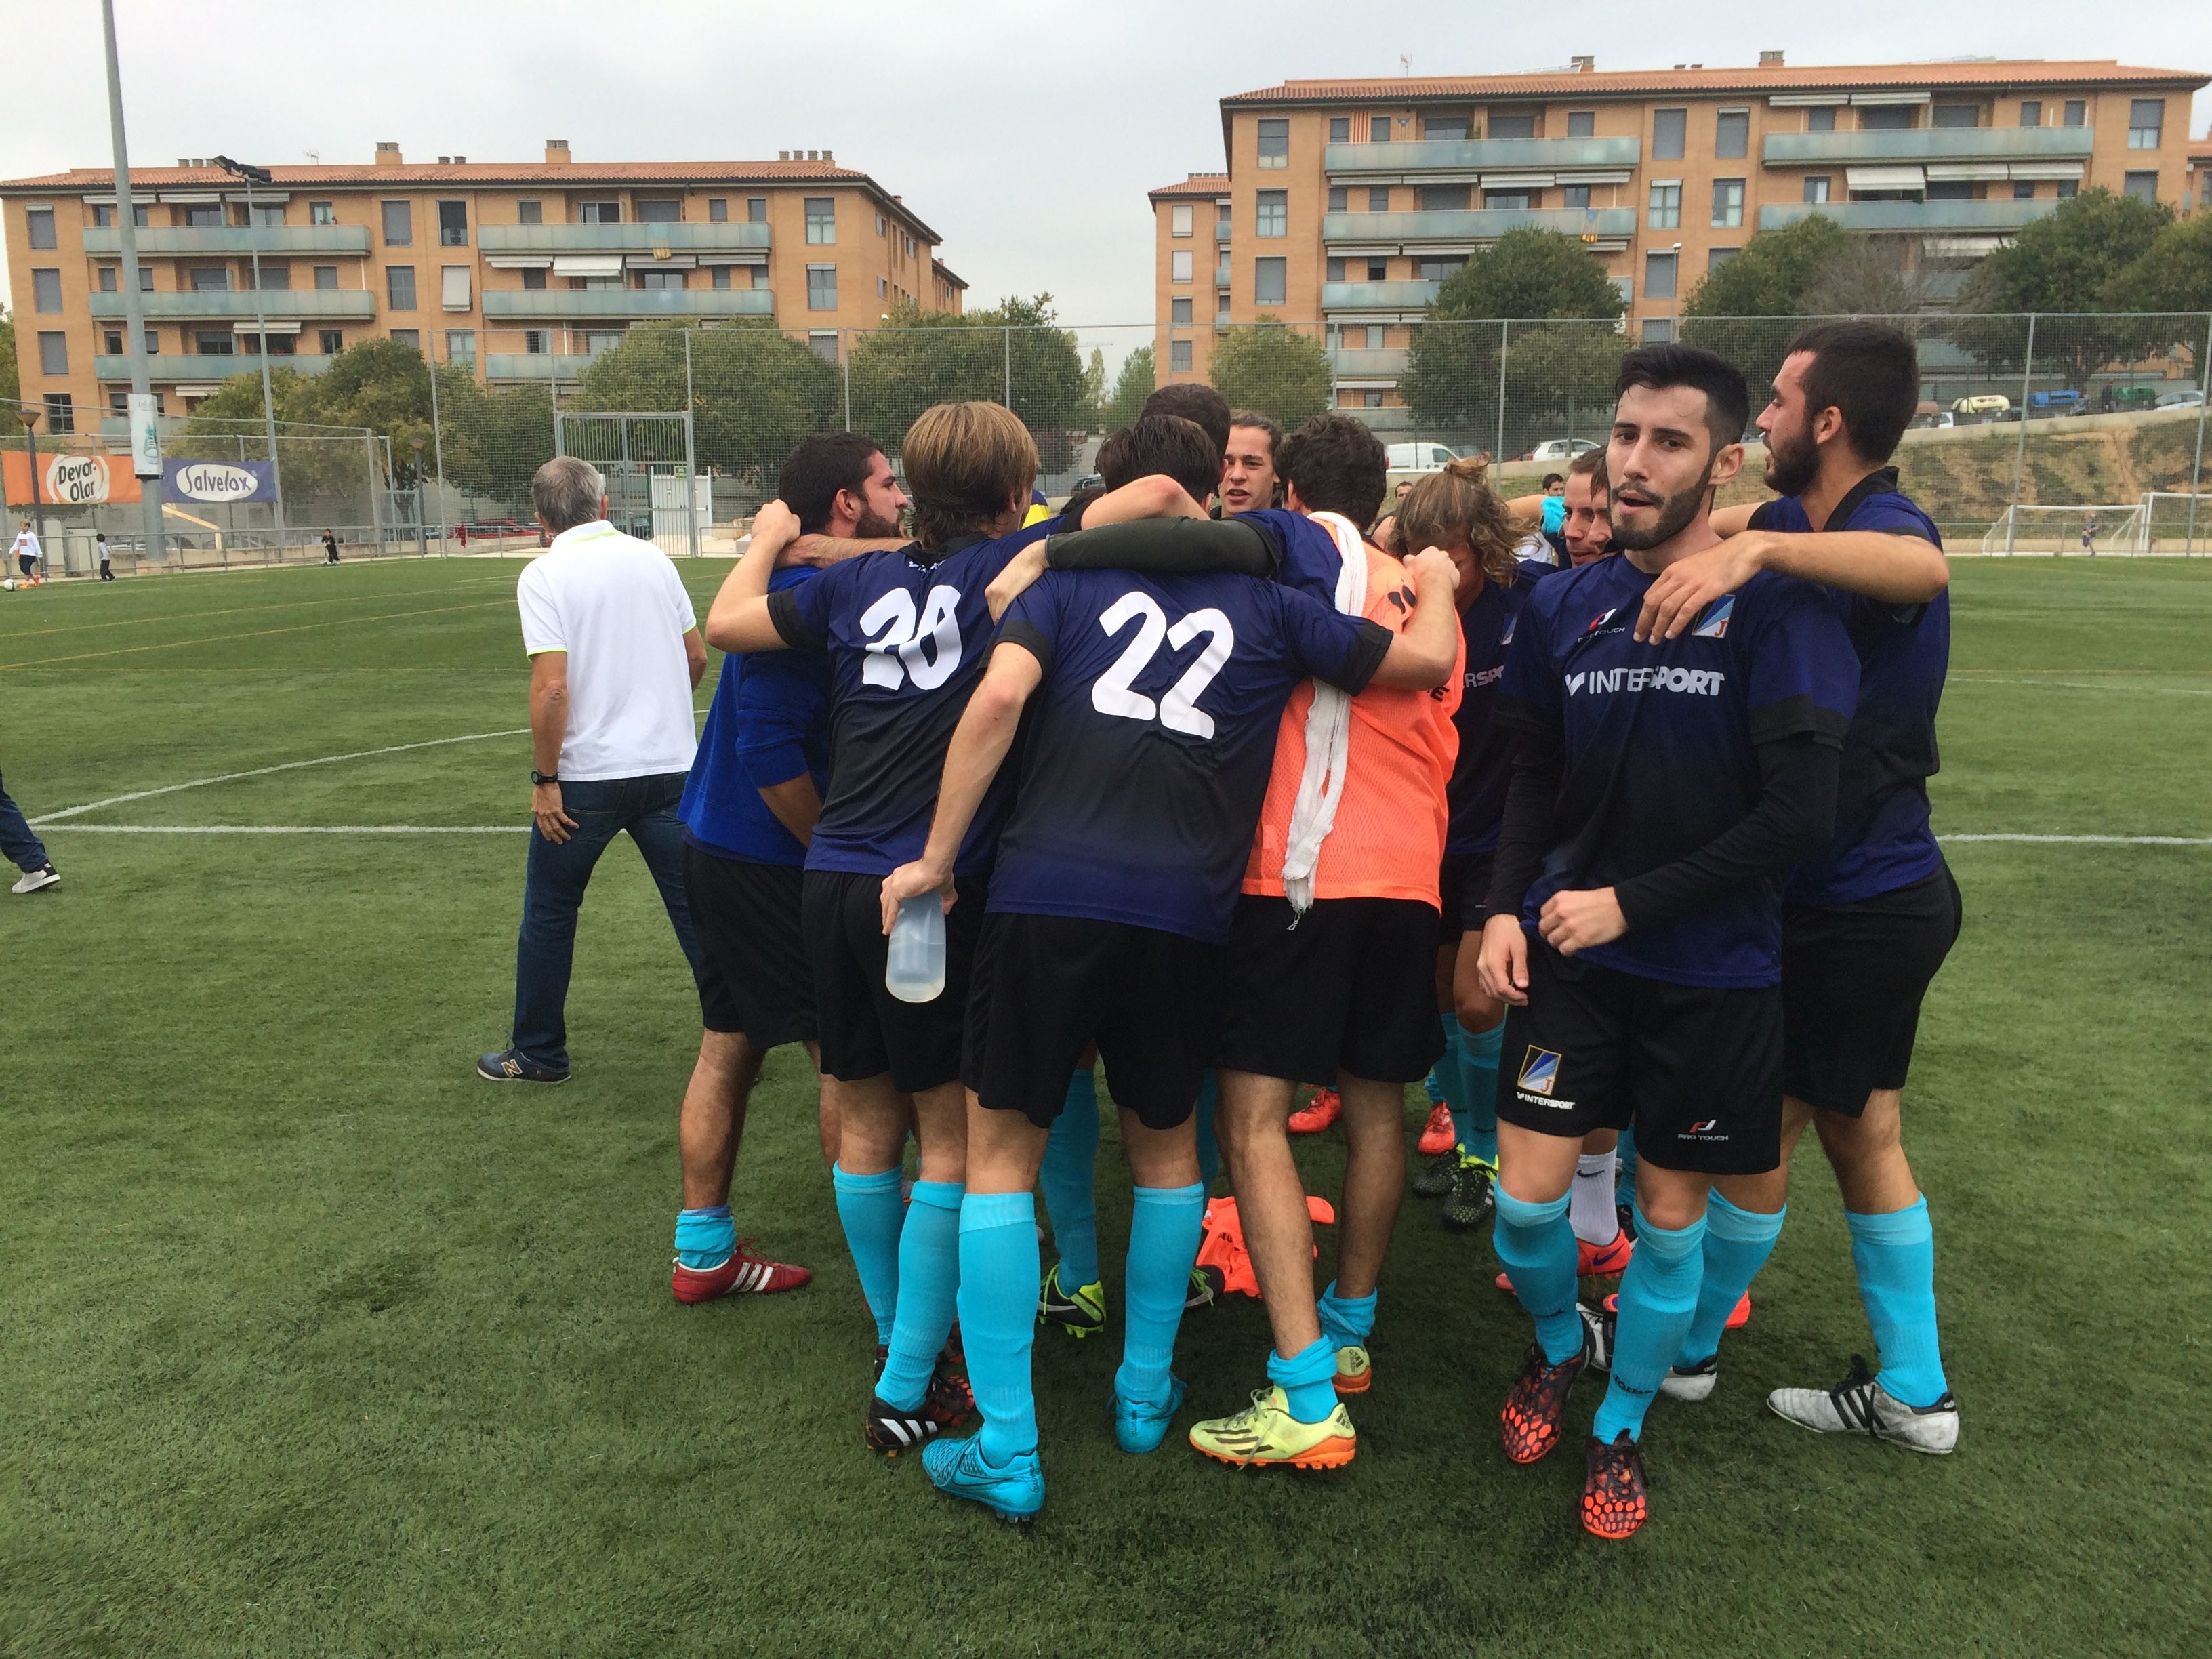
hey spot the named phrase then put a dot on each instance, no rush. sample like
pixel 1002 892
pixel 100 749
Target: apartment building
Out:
pixel 521 270
pixel 1348 202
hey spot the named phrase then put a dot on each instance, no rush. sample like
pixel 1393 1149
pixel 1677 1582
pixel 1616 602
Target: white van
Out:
pixel 1420 457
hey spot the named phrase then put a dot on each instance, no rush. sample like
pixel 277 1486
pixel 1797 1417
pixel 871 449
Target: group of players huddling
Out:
pixel 1242 796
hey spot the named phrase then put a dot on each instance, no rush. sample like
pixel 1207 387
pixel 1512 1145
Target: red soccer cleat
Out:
pixel 1322 1110
pixel 1437 1133
pixel 1603 1261
pixel 743 1275
pixel 1538 1402
pixel 1739 1316
pixel 1613 1501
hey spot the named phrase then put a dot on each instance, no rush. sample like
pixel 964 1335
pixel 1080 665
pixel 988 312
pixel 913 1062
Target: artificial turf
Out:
pixel 312 1343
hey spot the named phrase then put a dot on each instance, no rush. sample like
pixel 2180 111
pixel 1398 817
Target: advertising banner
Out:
pixel 145 434
pixel 68 480
pixel 218 482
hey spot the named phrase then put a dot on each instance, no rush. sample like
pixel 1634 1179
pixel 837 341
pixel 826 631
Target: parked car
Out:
pixel 1421 457
pixel 2180 400
pixel 2063 401
pixel 1982 402
pixel 1560 449
pixel 1934 419
pixel 2128 397
pixel 1088 481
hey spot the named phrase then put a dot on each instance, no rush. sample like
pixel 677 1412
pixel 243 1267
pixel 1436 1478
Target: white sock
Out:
pixel 1590 1210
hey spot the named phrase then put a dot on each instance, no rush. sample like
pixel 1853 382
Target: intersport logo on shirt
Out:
pixel 1692 681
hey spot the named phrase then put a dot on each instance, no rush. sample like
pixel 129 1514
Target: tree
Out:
pixel 1014 354
pixel 1131 388
pixel 1277 371
pixel 1749 308
pixel 1874 276
pixel 755 391
pixel 2066 262
pixel 11 385
pixel 2173 273
pixel 1094 388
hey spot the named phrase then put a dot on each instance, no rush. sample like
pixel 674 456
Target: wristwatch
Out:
pixel 537 777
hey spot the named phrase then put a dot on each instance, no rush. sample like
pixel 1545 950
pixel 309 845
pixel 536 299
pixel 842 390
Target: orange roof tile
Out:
pixel 1197 183
pixel 1750 78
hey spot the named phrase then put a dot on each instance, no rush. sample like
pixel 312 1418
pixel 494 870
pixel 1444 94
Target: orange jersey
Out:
pixel 1387 839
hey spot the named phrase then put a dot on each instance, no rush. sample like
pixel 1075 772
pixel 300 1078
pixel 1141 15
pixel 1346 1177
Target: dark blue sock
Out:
pixel 869 1209
pixel 705 1238
pixel 1895 1257
pixel 929 1278
pixel 1163 1230
pixel 1478 1052
pixel 1209 1149
pixel 1537 1247
pixel 1068 1179
pixel 1658 1297
pixel 1737 1244
pixel 997 1318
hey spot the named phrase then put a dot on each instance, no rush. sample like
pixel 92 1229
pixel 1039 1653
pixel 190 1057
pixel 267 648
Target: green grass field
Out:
pixel 311 1343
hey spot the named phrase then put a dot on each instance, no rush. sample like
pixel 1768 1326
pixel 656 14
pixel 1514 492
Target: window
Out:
pixel 1340 199
pixel 118 402
pixel 2023 190
pixel 1221 308
pixel 53 353
pixel 398 224
pixel 326 278
pixel 1508 126
pixel 1715 258
pixel 61 414
pixel 1375 336
pixel 1179 357
pixel 145 279
pixel 530 213
pixel 112 343
pixel 1378 199
pixel 102 215
pixel 1511 199
pixel 2077 112
pixel 214 342
pixel 1658 330
pixel 1732 133
pixel 454 287
pixel 452 224
pixel 211 279
pixel 1378 128
pixel 535 277
pixel 461 346
pixel 1581 123
pixel 1955 115
pixel 1221 221
pixel 322 213
pixel 1333 272
pixel 662 279
pixel 1821 118
pixel 2030 111
pixel 1179 219
pixel 1273 213
pixel 263 214
pixel 1275 143
pixel 662 211
pixel 2069 188
pixel 408 337
pixel 1949 189
pixel 203 213
pixel 1379 269
pixel 1179 313
pixel 1441 199
pixel 276 276
pixel 880 225
pixel 823 342
pixel 1575 196
pixel 1179 264
pixel 330 341
pixel 1340 128
pixel 1270 279
pixel 1816 186
pixel 2143 186
pixel 821 220
pixel 1669 127
pixel 718 210
pixel 533 342
pixel 822 287
pixel 1436 267
pixel 1888 117
pixel 399 287
pixel 46 291
pixel 2146 118
pixel 1728 203
pixel 882 288
pixel 720 276
pixel 1666 211
pixel 599 213
pixel 756 209
pixel 39 222
pixel 107 279
pixel 1659 276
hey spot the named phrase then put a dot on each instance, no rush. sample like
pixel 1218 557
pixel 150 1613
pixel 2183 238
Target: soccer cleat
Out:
pixel 1593 1262
pixel 1538 1400
pixel 743 1273
pixel 1859 1405
pixel 1355 1371
pixel 1138 1428
pixel 956 1469
pixel 38 880
pixel 1206 1284
pixel 1473 1198
pixel 1691 1383
pixel 1080 1312
pixel 1739 1316
pixel 1437 1133
pixel 1436 1180
pixel 1265 1432
pixel 509 1066
pixel 1614 1502
pixel 945 1404
pixel 1323 1108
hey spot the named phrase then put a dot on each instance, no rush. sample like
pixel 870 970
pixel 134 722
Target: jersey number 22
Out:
pixel 1177 709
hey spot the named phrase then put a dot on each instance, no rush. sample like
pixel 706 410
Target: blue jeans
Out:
pixel 17 844
pixel 553 891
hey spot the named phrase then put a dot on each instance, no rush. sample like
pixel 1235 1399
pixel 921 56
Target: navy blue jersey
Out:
pixel 769 723
pixel 1152 736
pixel 1477 792
pixel 1658 742
pixel 907 641
pixel 1883 839
pixel 1310 562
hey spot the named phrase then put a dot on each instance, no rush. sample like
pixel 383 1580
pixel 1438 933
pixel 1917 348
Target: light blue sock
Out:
pixel 1307 1378
pixel 705 1238
pixel 1068 1178
pixel 997 1318
pixel 1209 1149
pixel 1478 1121
pixel 1432 1085
pixel 1537 1247
pixel 1451 1073
pixel 1895 1256
pixel 929 1276
pixel 1737 1244
pixel 1658 1299
pixel 1163 1228
pixel 1345 1321
pixel 869 1208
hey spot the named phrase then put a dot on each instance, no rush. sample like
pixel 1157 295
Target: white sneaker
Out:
pixel 33 880
pixel 1859 1405
pixel 1693 1384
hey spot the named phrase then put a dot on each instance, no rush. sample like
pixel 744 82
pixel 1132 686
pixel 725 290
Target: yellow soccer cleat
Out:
pixel 1265 1432
pixel 1355 1371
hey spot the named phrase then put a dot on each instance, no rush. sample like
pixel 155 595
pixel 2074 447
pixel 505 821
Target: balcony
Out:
pixel 515 304
pixel 735 236
pixel 1368 363
pixel 1434 156
pixel 1930 144
pixel 271 240
pixel 1378 297
pixel 172 305
pixel 1475 225
pixel 172 366
pixel 1998 218
pixel 535 365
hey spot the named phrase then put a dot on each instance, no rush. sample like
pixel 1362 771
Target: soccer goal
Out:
pixel 2030 528
pixel 2175 522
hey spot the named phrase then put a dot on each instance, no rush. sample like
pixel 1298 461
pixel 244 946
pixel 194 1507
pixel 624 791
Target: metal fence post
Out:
pixel 845 356
pixel 1505 338
pixel 690 484
pixel 2019 453
pixel 1007 336
pixel 2196 466
pixel 375 513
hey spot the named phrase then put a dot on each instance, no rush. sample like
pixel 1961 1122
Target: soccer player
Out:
pixel 1154 703
pixel 27 553
pixel 1867 920
pixel 1658 790
pixel 1247 469
pixel 1196 402
pixel 748 812
pixel 1331 965
pixel 20 846
pixel 1588 528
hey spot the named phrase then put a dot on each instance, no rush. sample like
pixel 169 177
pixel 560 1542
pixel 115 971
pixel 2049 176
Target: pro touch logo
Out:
pixel 1600 620
pixel 1713 625
pixel 1691 682
pixel 1540 1070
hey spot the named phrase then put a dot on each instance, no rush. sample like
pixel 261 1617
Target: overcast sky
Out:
pixel 1026 133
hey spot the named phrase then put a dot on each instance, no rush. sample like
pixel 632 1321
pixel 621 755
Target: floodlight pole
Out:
pixel 2197 469
pixel 30 417
pixel 134 307
pixel 2019 452
pixel 241 170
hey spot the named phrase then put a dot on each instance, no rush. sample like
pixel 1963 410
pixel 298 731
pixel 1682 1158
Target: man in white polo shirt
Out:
pixel 615 654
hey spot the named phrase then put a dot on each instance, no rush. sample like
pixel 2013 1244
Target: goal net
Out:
pixel 2174 521
pixel 2027 528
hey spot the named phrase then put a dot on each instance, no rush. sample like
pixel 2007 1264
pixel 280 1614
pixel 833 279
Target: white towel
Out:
pixel 1328 732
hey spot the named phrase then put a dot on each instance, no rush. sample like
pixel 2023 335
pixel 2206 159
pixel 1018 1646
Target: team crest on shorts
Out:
pixel 1713 624
pixel 1540 1071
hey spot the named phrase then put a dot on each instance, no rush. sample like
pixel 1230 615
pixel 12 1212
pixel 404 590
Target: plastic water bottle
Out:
pixel 914 971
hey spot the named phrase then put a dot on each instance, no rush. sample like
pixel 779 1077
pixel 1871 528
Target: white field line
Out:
pixel 2088 685
pixel 520 829
pixel 2095 841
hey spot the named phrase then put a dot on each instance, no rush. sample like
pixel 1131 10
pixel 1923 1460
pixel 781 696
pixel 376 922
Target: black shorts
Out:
pixel 1852 982
pixel 1695 1071
pixel 753 972
pixel 1351 987
pixel 1464 881
pixel 865 1029
pixel 1045 987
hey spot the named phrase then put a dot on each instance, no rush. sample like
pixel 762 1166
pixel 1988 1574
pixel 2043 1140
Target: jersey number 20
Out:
pixel 1178 709
pixel 902 641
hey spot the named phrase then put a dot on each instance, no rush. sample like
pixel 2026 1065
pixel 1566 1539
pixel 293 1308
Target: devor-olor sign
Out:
pixel 68 480
pixel 217 482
